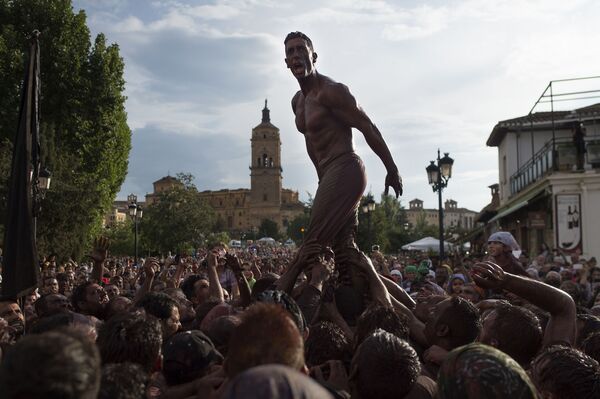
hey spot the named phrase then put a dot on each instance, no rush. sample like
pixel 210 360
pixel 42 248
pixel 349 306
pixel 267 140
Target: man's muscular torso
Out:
pixel 326 136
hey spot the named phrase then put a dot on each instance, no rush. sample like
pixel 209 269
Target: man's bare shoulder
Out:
pixel 334 93
pixel 295 99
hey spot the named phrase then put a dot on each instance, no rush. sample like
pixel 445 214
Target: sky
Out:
pixel 430 74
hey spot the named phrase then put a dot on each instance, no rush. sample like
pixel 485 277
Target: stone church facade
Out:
pixel 243 210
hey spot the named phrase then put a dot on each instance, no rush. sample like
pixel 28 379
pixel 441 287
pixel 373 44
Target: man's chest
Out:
pixel 311 115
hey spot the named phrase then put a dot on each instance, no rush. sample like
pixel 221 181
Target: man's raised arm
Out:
pixel 562 324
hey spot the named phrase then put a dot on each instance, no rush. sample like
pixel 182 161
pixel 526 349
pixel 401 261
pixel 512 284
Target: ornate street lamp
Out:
pixel 135 212
pixel 368 207
pixel 438 176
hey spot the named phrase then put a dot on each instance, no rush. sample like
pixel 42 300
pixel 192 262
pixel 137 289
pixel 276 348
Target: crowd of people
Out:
pixel 270 322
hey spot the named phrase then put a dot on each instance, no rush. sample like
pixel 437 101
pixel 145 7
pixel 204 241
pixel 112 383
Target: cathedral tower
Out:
pixel 265 169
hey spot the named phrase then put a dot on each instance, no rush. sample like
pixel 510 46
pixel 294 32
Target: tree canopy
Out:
pixel 84 135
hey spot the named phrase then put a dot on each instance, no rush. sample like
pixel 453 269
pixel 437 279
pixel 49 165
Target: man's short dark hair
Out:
pixel 158 304
pixel 299 35
pixel 123 381
pixel 267 334
pixel 130 337
pixel 387 367
pixel 518 333
pixel 54 365
pixel 591 346
pixel 463 319
pixel 380 317
pixel 566 373
pixel 327 341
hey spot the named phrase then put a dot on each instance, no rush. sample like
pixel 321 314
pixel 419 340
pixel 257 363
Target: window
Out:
pixel 265 197
pixel 258 161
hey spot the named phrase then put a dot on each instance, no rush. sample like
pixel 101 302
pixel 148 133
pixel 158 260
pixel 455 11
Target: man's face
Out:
pixel 432 324
pixel 495 248
pixel 11 312
pixel 172 324
pixel 96 299
pixel 50 286
pixel 118 281
pixel 186 309
pixel 112 291
pixel 200 291
pixel 596 276
pixel 299 58
pixel 469 293
pixel 441 275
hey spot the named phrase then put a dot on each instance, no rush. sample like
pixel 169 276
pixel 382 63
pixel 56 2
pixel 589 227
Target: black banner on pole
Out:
pixel 20 266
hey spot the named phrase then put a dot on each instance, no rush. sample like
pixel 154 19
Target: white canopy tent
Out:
pixel 426 244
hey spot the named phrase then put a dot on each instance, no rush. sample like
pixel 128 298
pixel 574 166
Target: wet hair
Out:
pixel 462 317
pixel 123 381
pixel 566 373
pixel 130 337
pixel 266 335
pixel 518 333
pixel 287 302
pixel 591 346
pixel 387 367
pixel 52 323
pixel 263 284
pixel 380 317
pixel 480 371
pixel 591 324
pixel 79 294
pixel 298 35
pixel 158 304
pixel 53 365
pixel 327 341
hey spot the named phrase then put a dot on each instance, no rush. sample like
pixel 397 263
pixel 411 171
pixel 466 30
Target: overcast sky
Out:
pixel 428 73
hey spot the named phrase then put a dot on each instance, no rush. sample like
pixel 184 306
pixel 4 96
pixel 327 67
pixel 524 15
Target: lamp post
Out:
pixel 135 212
pixel 368 207
pixel 438 175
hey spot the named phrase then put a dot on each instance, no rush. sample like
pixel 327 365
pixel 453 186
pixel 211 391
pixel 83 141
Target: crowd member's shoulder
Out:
pixel 424 388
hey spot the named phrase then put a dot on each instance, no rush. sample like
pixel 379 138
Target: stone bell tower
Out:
pixel 265 171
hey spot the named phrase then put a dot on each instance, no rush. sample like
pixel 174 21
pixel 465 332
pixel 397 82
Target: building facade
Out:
pixel 454 217
pixel 243 210
pixel 549 180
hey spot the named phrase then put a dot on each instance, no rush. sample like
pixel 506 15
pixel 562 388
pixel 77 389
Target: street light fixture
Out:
pixel 135 212
pixel 368 207
pixel 438 176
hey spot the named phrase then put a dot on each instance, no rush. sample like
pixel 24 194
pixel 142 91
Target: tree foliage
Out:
pixel 268 228
pixel 178 221
pixel 84 135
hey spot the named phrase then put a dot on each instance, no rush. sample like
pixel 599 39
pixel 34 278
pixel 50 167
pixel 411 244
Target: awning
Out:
pixel 526 200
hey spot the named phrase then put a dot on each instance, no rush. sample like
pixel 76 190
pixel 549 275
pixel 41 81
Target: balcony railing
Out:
pixel 556 155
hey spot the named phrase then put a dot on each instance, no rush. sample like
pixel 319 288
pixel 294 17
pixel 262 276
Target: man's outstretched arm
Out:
pixel 562 324
pixel 343 105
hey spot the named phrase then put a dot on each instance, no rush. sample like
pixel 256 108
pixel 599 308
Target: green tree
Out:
pixel 294 229
pixel 268 228
pixel 121 238
pixel 84 135
pixel 178 221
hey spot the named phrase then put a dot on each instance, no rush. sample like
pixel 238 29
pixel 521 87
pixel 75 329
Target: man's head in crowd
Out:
pixel 220 330
pixel 54 365
pixel 501 244
pixel 442 273
pixel 327 341
pixel 591 346
pixel 514 330
pixel 123 381
pixel 586 325
pixel 11 312
pixel 187 313
pixel 384 366
pixel 470 292
pixel 50 304
pixel 553 278
pixel 65 284
pixel 165 309
pixel 112 291
pixel 89 298
pixel 132 337
pixel 195 288
pixel 188 356
pixel 380 317
pixel 477 371
pixel 50 286
pixel 560 372
pixel 266 335
pixel 453 322
pixel 287 302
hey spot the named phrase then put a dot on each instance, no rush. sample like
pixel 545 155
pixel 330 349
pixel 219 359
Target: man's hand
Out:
pixel 435 354
pixel 307 254
pixel 213 259
pixel 100 250
pixel 234 263
pixel 393 180
pixel 489 275
pixel 150 267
